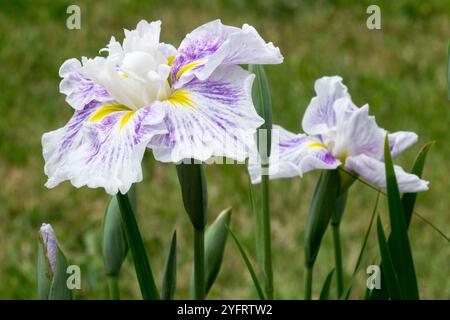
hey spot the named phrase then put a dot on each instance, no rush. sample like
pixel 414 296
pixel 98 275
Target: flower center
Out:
pixel 136 80
pixel 338 150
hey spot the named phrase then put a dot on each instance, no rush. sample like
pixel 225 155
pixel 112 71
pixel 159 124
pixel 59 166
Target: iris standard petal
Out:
pixel 144 38
pixel 78 87
pixel 214 44
pixel 293 155
pixel 320 115
pixel 136 72
pixel 400 141
pixel 101 146
pixel 373 171
pixel 357 133
pixel 210 118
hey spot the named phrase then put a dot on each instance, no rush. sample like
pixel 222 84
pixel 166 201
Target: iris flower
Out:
pixel 181 103
pixel 339 134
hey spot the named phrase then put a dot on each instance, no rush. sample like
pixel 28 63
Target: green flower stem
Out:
pixel 199 263
pixel 308 282
pixel 338 258
pixel 113 287
pixel 194 191
pixel 143 271
pixel 267 257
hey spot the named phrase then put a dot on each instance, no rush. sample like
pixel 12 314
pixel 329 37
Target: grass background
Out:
pixel 399 70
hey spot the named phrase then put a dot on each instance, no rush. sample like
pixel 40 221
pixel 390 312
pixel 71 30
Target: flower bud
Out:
pixel 322 207
pixel 115 247
pixel 50 243
pixel 194 192
pixel 52 267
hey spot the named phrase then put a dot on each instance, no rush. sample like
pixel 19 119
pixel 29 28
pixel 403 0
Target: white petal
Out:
pixel 320 115
pixel 144 38
pixel 373 171
pixel 214 44
pixel 400 141
pixel 132 91
pixel 114 49
pixel 167 50
pixel 293 155
pixel 137 74
pixel 101 153
pixel 210 118
pixel 78 87
pixel 358 133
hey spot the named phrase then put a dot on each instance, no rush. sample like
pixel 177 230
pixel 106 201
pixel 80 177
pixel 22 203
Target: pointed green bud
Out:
pixel 322 207
pixel 215 240
pixel 194 192
pixel 341 201
pixel 114 244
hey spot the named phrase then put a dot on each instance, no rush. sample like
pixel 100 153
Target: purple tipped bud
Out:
pixel 50 244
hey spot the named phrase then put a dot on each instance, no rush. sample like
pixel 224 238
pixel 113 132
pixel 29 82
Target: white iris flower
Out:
pixel 181 103
pixel 338 133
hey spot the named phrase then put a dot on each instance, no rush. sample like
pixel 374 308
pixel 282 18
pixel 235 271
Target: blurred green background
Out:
pixel 399 70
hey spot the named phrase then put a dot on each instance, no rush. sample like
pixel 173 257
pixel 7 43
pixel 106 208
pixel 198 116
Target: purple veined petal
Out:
pixel 357 133
pixel 214 44
pixel 79 89
pixel 320 114
pixel 50 244
pixel 212 118
pixel 101 146
pixel 58 143
pixel 373 171
pixel 293 155
pixel 400 141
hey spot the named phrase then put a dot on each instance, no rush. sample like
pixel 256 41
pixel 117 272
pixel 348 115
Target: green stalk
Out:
pixel 199 263
pixel 267 245
pixel 143 271
pixel 338 258
pixel 308 282
pixel 113 287
pixel 194 192
pixel 263 105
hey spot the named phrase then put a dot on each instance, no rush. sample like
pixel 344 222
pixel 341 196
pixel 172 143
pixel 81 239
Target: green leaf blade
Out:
pixel 409 199
pixel 393 285
pixel 399 247
pixel 448 71
pixel 325 292
pixel 248 264
pixel 142 266
pixel 170 270
pixel 43 274
pixel 59 289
